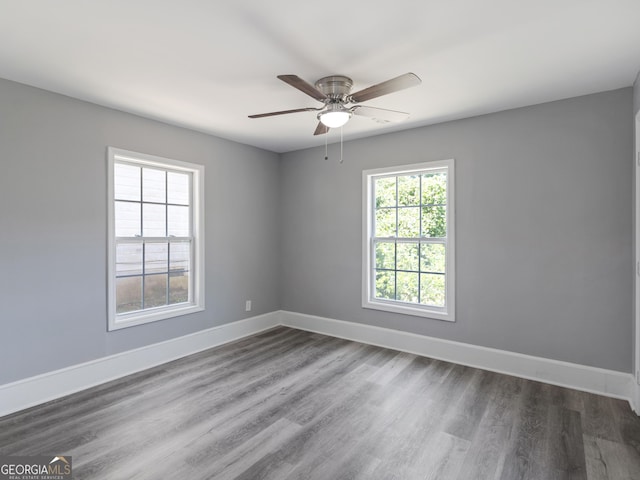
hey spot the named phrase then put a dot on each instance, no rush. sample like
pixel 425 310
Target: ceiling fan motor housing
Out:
pixel 336 87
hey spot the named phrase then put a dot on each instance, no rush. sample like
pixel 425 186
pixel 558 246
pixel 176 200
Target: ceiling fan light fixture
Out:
pixel 336 116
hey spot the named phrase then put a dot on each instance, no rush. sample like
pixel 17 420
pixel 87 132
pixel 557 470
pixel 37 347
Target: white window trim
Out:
pixel 115 321
pixel 368 300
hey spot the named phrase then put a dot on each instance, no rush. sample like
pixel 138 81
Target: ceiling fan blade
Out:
pixel 379 114
pixel 284 112
pixel 321 129
pixel 395 84
pixel 305 87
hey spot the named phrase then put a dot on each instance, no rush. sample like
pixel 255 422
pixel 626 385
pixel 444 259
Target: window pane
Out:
pixel 385 222
pixel 385 255
pixel 178 221
pixel 178 188
pixel 385 285
pixel 127 219
pixel 432 257
pixel 385 189
pixel 153 185
pixel 432 289
pixel 407 287
pixel 434 222
pixel 154 220
pixel 409 190
pixel 126 182
pixel 128 294
pixel 156 256
pixel 178 288
pixel 180 256
pixel 155 290
pixel 434 189
pixel 409 222
pixel 407 256
pixel 128 259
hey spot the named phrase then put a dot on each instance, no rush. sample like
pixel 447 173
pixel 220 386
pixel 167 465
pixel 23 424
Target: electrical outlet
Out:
pixel 247 306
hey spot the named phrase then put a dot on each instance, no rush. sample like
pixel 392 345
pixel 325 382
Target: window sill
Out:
pixel 149 316
pixel 410 309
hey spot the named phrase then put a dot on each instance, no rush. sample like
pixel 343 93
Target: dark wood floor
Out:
pixel 288 404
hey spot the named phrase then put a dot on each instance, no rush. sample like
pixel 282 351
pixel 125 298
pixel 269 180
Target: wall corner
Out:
pixel 636 95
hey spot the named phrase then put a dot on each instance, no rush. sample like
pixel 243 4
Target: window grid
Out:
pixel 420 240
pixel 168 239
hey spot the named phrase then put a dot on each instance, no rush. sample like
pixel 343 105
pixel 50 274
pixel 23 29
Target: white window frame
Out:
pixel 368 253
pixel 196 285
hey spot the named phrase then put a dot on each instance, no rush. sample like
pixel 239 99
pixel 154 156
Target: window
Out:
pixel 156 238
pixel 408 240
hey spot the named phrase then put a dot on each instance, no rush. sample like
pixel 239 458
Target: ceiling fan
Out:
pixel 335 93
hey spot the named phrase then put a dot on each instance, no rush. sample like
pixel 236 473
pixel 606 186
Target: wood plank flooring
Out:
pixel 288 404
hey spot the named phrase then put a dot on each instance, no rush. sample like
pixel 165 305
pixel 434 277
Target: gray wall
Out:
pixel 54 239
pixel 543 219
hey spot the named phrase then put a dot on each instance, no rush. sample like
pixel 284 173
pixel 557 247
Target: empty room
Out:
pixel 291 240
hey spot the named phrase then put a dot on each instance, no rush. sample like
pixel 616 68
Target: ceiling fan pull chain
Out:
pixel 341 159
pixel 326 154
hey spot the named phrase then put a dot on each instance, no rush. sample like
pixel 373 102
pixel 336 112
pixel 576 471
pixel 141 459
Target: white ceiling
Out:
pixel 207 64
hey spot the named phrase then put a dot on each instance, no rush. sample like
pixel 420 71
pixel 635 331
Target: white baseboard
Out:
pixel 49 386
pixel 35 390
pixel 580 377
